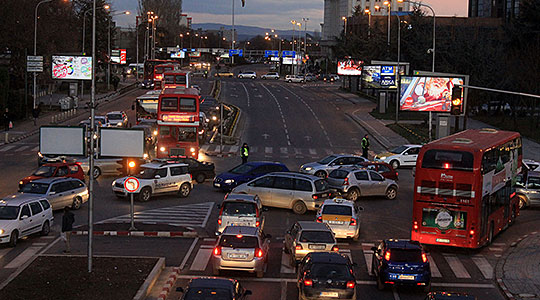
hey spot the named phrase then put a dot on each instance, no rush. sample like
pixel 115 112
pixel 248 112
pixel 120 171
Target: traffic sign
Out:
pixel 288 53
pixel 34 63
pixel 131 184
pixel 238 52
pixel 268 53
pixel 34 69
pixel 34 58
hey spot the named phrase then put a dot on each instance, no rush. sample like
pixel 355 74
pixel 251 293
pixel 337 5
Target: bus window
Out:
pixel 164 131
pixel 448 159
pixel 180 79
pixel 169 104
pixel 187 134
pixel 188 105
pixel 169 79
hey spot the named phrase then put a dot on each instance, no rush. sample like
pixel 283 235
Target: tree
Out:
pixel 168 22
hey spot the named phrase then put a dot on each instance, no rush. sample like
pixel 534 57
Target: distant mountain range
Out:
pixel 246 32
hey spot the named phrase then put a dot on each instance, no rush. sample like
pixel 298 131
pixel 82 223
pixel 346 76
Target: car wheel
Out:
pixel 145 194
pixel 97 172
pixel 13 238
pixel 184 191
pixel 353 194
pixel 321 174
pixel 391 193
pixel 76 203
pixel 395 164
pixel 46 229
pixel 299 208
pixel 200 178
pixel 522 202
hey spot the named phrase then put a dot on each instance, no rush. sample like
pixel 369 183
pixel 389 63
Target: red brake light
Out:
pixel 415 225
pixel 335 248
pixel 298 247
pixel 512 195
pixel 346 181
pixel 353 222
pixel 219 221
pixel 424 257
pixel 257 224
pixel 319 219
pixel 471 232
pixel 258 252
pixel 239 236
pixel 387 255
pixel 351 284
pixel 315 197
pixel 308 282
pixel 446 165
pixel 217 250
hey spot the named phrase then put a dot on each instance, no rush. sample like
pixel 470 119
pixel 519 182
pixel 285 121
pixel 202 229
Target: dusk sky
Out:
pixel 268 13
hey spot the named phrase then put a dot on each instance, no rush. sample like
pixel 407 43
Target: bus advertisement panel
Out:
pixel 419 93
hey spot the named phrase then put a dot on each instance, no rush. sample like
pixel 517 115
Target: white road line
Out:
pixel 267 149
pixel 457 267
pixel 206 247
pixel 495 249
pixel 247 94
pixel 434 269
pixel 280 112
pixel 312 151
pixel 484 266
pixel 297 151
pixel 207 216
pixel 283 150
pixel 23 257
pixel 36 148
pixel 233 149
pixel 6 148
pixel 285 264
pixel 4 251
pixel 368 256
pixel 284 290
pixel 201 260
pixel 209 239
pixel 188 254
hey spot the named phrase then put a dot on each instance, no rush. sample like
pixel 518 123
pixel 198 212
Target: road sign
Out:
pixel 131 184
pixel 34 58
pixel 268 53
pixel 387 70
pixel 34 63
pixel 288 53
pixel 238 52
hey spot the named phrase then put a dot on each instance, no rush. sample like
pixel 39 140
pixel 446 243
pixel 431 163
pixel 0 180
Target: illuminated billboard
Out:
pixel 350 67
pixel 72 67
pixel 422 93
pixel 381 77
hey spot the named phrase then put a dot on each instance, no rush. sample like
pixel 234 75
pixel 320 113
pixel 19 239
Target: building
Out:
pixel 507 9
pixel 185 21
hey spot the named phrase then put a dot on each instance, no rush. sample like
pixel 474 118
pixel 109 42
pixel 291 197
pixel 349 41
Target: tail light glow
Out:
pixel 315 197
pixel 239 236
pixel 219 221
pixel 298 247
pixel 346 181
pixel 351 284
pixel 217 250
pixel 308 282
pixel 424 257
pixel 471 232
pixel 257 223
pixel 415 225
pixel 319 219
pixel 335 248
pixel 353 222
pixel 446 165
pixel 258 252
pixel 387 255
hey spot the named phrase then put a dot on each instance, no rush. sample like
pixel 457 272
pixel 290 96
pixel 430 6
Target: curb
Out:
pixel 147 285
pixel 168 234
pixel 167 287
pixel 374 135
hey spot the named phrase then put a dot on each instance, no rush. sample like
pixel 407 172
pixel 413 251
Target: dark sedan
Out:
pixel 200 170
pixel 214 288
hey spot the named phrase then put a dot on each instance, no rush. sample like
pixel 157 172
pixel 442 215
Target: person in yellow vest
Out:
pixel 365 146
pixel 244 153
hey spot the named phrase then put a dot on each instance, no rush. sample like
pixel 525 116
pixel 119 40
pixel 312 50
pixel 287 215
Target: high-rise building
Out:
pixel 507 9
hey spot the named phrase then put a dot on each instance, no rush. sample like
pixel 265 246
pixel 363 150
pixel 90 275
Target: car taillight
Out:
pixel 319 219
pixel 351 284
pixel 258 252
pixel 308 282
pixel 298 247
pixel 257 223
pixel 315 197
pixel 346 181
pixel 335 248
pixel 353 222
pixel 424 257
pixel 512 195
pixel 219 221
pixel 387 255
pixel 217 250
pixel 190 176
pixel 415 225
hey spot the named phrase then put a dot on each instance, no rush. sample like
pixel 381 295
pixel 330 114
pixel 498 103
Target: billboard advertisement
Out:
pixel 58 140
pixel 131 141
pixel 419 93
pixel 350 67
pixel 381 77
pixel 72 67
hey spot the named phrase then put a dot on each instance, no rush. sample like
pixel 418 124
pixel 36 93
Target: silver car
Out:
pixel 271 75
pixel 296 191
pixel 305 237
pixel 295 78
pixel 528 189
pixel 323 167
pixel 240 210
pixel 102 166
pixel 241 248
pixel 356 182
pixel 60 192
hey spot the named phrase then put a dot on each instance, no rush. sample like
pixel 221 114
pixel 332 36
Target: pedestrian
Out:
pixel 365 146
pixel 35 114
pixel 67 226
pixel 7 120
pixel 124 75
pixel 244 153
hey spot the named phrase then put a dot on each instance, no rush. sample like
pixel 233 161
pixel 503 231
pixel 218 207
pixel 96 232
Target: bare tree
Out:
pixel 168 22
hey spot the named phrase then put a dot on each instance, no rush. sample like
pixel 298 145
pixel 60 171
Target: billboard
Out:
pixel 72 67
pixel 118 142
pixel 56 140
pixel 423 93
pixel 380 76
pixel 350 67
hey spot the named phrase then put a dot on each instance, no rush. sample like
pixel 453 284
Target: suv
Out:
pixel 20 217
pixel 247 74
pixel 117 119
pixel 246 172
pixel 158 178
pixel 323 167
pixel 355 182
pixel 382 168
pixel 60 192
pixel 240 210
pixel 200 170
pixel 343 217
pixel 401 262
pixel 270 75
pixel 305 237
pixel 405 155
pixel 326 274
pixel 214 288
pixel 241 248
pixel 296 191
pixel 295 78
pixel 528 189
pixel 55 170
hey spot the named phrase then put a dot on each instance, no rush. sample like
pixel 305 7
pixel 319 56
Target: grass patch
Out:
pixel 414 133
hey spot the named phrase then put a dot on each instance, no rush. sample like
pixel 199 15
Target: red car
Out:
pixel 382 168
pixel 55 170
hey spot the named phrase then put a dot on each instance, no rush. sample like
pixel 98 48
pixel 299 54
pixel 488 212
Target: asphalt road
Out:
pixel 294 124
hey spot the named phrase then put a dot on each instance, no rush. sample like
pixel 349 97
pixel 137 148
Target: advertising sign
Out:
pixel 350 67
pixel 427 93
pixel 287 60
pixel 268 53
pixel 72 67
pixel 179 54
pixel 380 76
pixel 34 63
pixel 443 219
pixel 55 140
pixel 118 142
pixel 123 56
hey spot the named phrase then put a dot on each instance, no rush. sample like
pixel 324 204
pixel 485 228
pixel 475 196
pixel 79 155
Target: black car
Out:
pixel 200 170
pixel 449 296
pixel 147 84
pixel 323 275
pixel 214 288
pixel 401 262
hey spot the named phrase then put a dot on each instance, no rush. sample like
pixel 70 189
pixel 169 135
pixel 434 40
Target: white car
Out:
pixel 158 178
pixel 271 75
pixel 326 165
pixel 23 217
pixel 248 74
pixel 343 217
pixel 117 119
pixel 295 78
pixel 405 156
pixel 531 165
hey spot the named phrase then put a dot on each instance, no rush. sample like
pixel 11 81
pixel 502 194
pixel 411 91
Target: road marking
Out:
pixel 247 93
pixel 205 148
pixel 495 249
pixel 285 264
pixel 206 247
pixel 434 269
pixel 23 257
pixel 209 239
pixel 23 148
pixel 39 244
pixel 368 255
pixel 457 267
pixel 283 150
pixel 188 254
pixel 267 149
pixel 201 260
pixel 312 151
pixel 281 113
pixel 4 251
pixel 233 149
pixel 484 266
pixel 36 148
pixel 6 148
pixel 284 290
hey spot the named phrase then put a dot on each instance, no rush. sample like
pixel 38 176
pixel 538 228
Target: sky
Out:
pixel 275 14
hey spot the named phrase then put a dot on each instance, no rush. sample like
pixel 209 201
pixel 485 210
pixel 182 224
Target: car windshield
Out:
pixel 44 171
pixel 406 255
pixel 147 173
pixel 534 183
pixel 338 174
pixel 9 212
pixel 327 160
pixel 35 188
pixel 239 209
pixel 341 210
pixel 325 237
pixel 399 150
pixel 241 169
pixel 114 116
pixel 321 185
pixel 330 271
pixel 238 241
pixel 204 293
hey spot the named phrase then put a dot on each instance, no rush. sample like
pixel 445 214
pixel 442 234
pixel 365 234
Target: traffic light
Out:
pixel 457 101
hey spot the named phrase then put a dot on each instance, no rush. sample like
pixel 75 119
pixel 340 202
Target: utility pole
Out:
pixel 233 34
pixel 91 158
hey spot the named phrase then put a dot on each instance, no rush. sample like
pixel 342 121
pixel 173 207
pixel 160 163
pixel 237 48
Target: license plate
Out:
pixel 330 294
pixel 317 247
pixel 233 255
pixel 446 241
pixel 335 222
pixel 406 277
pixel 239 224
pixel 324 195
pixel 217 184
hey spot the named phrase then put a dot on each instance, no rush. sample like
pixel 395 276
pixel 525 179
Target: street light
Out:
pixel 35 47
pixel 368 12
pixel 344 25
pixel 109 45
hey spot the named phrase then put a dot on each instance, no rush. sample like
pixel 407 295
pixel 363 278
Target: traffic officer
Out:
pixel 365 146
pixel 244 153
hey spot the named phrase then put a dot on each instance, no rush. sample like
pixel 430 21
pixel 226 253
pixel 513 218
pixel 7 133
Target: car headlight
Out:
pixel 308 168
pixel 145 156
pixel 113 183
pixel 1 231
pixel 40 155
pixel 119 124
pixel 382 157
pixel 162 149
pixel 155 132
pixel 229 181
pixel 21 182
pixel 214 118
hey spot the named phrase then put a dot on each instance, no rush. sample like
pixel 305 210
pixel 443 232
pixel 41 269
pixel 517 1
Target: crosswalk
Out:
pixel 443 265
pixel 283 152
pixel 19 148
pixel 190 215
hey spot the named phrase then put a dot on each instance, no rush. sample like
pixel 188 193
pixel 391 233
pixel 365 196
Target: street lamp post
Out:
pixel 344 25
pixel 398 61
pixel 109 47
pixel 233 39
pixel 35 47
pixel 388 4
pixel 368 12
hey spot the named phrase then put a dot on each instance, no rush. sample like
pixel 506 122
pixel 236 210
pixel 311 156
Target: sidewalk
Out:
pixel 518 272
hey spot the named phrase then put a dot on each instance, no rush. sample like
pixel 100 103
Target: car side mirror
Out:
pixel 180 289
pixel 24 217
pixel 157 177
pixel 248 292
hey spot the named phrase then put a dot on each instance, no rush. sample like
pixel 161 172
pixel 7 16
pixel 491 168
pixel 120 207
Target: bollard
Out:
pixel 7 137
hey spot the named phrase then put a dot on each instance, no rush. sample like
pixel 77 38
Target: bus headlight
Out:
pixel 192 150
pixel 155 132
pixel 214 118
pixel 162 149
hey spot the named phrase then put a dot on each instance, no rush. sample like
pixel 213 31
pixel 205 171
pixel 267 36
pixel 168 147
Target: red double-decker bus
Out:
pixel 177 78
pixel 178 121
pixel 149 65
pixel 464 188
pixel 159 70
